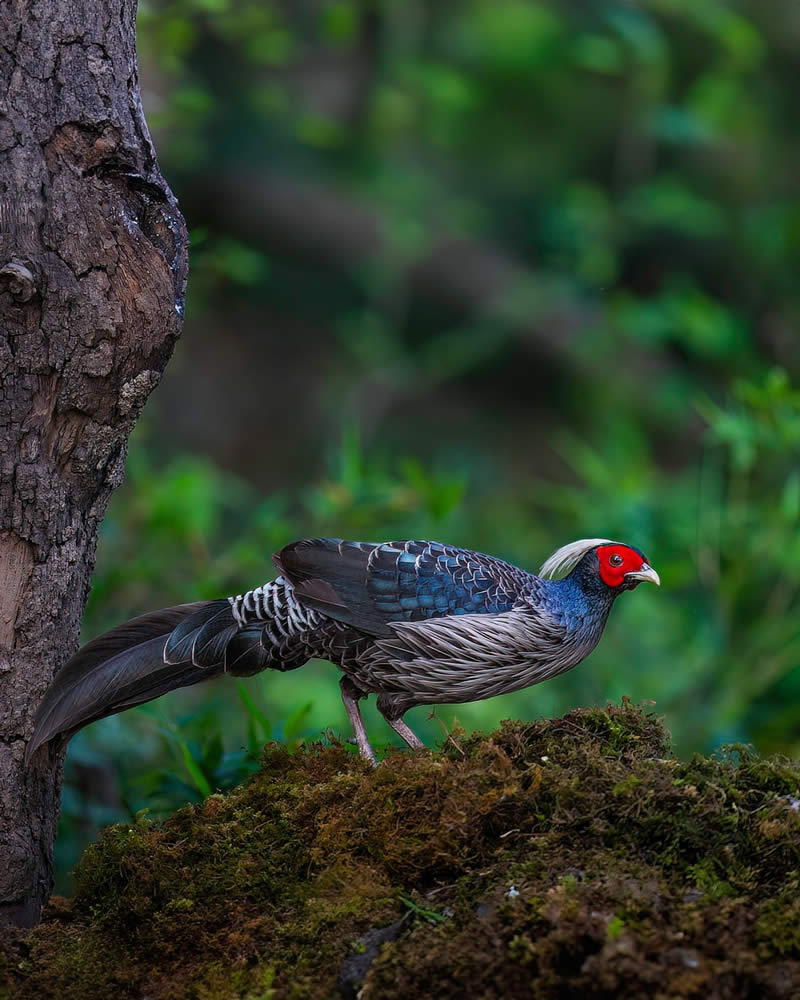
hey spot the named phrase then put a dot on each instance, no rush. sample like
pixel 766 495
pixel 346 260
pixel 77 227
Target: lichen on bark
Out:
pixel 92 280
pixel 560 859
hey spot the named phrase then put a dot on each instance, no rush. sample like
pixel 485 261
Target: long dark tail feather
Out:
pixel 246 654
pixel 123 668
pixel 210 618
pixel 212 635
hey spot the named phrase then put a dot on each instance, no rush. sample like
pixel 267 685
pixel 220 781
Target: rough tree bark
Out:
pixel 92 278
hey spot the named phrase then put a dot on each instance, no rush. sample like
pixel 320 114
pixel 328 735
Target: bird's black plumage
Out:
pixel 371 585
pixel 414 622
pixel 117 670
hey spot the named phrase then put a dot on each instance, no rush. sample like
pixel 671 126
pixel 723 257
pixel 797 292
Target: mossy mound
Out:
pixel 563 859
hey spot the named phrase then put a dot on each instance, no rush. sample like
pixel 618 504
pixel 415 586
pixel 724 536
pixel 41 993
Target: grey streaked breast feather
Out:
pixel 469 657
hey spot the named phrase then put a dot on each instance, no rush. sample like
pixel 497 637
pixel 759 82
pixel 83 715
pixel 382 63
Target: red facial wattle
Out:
pixel 616 561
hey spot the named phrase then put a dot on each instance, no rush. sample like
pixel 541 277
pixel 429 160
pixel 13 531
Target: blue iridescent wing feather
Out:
pixel 369 585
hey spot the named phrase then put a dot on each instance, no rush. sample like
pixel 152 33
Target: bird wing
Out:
pixel 370 585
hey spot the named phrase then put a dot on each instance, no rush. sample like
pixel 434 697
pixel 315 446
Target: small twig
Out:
pixel 448 735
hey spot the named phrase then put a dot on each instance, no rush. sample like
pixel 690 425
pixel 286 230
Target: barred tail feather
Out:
pixel 215 635
pixel 173 648
pixel 117 670
pixel 208 621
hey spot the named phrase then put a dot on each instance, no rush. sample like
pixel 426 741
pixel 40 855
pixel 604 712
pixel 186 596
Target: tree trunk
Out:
pixel 92 278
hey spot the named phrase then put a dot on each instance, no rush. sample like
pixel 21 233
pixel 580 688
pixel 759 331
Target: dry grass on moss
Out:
pixel 562 859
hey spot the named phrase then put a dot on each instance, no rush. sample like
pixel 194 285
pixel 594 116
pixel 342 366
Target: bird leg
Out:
pixel 351 696
pixel 402 729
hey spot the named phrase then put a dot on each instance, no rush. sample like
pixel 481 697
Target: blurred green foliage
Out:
pixel 543 262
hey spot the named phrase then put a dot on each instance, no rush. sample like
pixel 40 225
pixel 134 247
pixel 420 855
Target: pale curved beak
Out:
pixel 645 573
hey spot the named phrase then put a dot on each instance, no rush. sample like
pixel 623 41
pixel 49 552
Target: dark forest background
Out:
pixel 501 273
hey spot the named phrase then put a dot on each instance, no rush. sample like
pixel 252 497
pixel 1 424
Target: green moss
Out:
pixel 565 858
pixel 777 927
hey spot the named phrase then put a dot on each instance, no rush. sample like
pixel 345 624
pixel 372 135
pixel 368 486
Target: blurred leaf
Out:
pixel 255 714
pixel 665 201
pixel 294 725
pixel 512 35
pixel 639 30
pixel 599 53
pixel 193 100
pixel 272 47
pixel 194 770
pixel 340 21
pixel 679 125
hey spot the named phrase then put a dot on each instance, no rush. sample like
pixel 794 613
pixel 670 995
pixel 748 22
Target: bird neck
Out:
pixel 583 601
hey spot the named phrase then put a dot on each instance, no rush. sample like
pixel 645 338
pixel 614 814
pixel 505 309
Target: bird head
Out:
pixel 600 562
pixel 624 567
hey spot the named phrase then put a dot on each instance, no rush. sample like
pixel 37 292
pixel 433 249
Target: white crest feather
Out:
pixel 568 556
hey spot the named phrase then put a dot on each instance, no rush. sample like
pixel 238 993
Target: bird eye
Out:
pixel 615 559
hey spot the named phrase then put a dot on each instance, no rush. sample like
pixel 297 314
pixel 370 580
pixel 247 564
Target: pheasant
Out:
pixel 414 622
